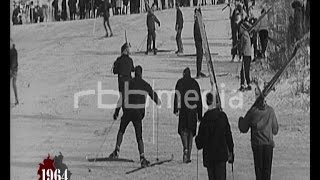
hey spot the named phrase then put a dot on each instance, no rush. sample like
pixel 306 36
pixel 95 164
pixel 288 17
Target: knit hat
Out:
pixel 124 47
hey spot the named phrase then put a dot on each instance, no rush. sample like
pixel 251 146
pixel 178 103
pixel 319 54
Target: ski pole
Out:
pixel 197 164
pixel 105 138
pixel 94 25
pixel 157 131
pixel 232 171
pixel 142 43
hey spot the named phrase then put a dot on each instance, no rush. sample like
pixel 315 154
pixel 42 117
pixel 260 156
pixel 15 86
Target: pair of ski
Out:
pixel 129 160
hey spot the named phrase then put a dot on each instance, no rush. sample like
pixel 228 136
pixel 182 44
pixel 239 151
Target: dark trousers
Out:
pixel 262 156
pixel 82 12
pixel 106 20
pixel 203 2
pixel 217 171
pixel 263 34
pixel 72 14
pixel 246 61
pixel 186 138
pixel 199 52
pixel 254 43
pixel 179 41
pixel 121 86
pixel 135 116
pixel 151 36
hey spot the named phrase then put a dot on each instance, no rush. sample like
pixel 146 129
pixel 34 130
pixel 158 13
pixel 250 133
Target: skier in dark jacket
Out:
pixel 264 125
pixel 198 44
pixel 123 66
pixel 188 106
pixel 134 110
pixel 178 28
pixel 151 20
pixel 14 69
pixel 215 138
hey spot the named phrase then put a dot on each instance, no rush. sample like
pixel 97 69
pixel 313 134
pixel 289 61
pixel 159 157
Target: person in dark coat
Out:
pixel 264 125
pixel 56 10
pixel 72 9
pixel 16 16
pixel 188 106
pixel 82 8
pixel 125 7
pixel 113 6
pixel 198 44
pixel 33 13
pixel 64 10
pixel 106 16
pixel 123 66
pixel 134 111
pixel 14 69
pixel 151 20
pixel 178 28
pixel 215 138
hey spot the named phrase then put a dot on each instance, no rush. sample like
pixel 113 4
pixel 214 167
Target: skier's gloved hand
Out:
pixel 231 157
pixel 159 102
pixel 159 24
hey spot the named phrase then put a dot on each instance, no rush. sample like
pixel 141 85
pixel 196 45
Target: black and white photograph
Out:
pixel 160 89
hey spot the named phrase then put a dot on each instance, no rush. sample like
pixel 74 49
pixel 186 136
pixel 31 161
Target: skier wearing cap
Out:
pixel 123 66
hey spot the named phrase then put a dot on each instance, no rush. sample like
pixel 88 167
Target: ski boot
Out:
pixel 144 162
pixel 114 154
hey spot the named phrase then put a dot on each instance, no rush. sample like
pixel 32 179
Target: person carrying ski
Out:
pixel 264 125
pixel 215 138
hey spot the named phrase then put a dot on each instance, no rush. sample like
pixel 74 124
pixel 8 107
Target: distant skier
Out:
pixel 123 66
pixel 106 17
pixel 198 44
pixel 215 138
pixel 134 111
pixel 72 9
pixel 188 106
pixel 264 125
pixel 245 52
pixel 151 20
pixel 178 28
pixel 14 69
pixel 263 29
pixel 235 18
